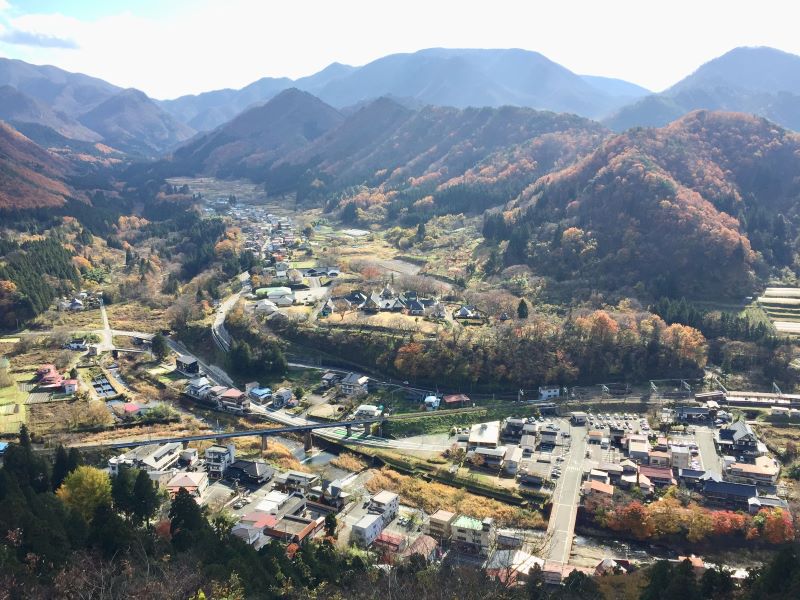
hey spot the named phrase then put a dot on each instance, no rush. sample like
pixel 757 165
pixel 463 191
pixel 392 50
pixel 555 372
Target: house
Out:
pixel 372 304
pixel 512 566
pixel 431 402
pixel 367 411
pixel 187 365
pixel 728 493
pixel 273 502
pixel 353 384
pixel 680 457
pixel 614 470
pixel 616 435
pixel 659 459
pixel 198 387
pixel 512 460
pixel 549 392
pixel 332 493
pixel 592 487
pixel 691 477
pixel 484 435
pixel 281 397
pixel 455 400
pixel 189 457
pixel 294 529
pixel 151 457
pixel 415 308
pixel 130 410
pixel 327 309
pixel 390 542
pixel 493 458
pixel 439 524
pixel 296 481
pixel 467 312
pixel 49 376
pixel 366 530
pixel 659 476
pixel 70 386
pixel 265 306
pixel 425 546
pixel 473 536
pixel 330 379
pixel 254 472
pixel 595 436
pixel 386 504
pixel 763 472
pixel 692 413
pixel 512 427
pixel 76 304
pixel 598 475
pixel 260 395
pixel 527 444
pixel 639 451
pixel 218 459
pixel 756 503
pixel 78 344
pixel 235 400
pixel 548 437
pixel 531 472
pixel 195 483
pixel 252 526
pixel 737 438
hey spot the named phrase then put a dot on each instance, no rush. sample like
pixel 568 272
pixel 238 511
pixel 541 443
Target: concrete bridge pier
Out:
pixel 263 444
pixel 307 443
pixel 367 427
pixel 220 441
pixel 349 430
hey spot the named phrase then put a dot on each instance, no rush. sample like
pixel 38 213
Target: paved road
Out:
pixel 566 497
pixel 106 334
pixel 218 331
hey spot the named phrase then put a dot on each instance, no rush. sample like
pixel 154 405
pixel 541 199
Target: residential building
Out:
pixel 198 387
pixel 549 392
pixel 152 457
pixel 512 427
pixel 234 400
pixel 598 475
pixel 728 493
pixel 484 435
pixel 254 472
pixel 512 566
pixel 296 481
pixel 592 487
pixel 691 477
pixel 660 476
pixel 353 384
pixel 680 457
pixel 187 365
pixel 531 472
pixel 493 458
pixel 260 395
pixel 189 457
pixel 756 503
pixel 194 482
pixel 390 542
pixel 595 436
pixel 738 438
pixel 639 451
pixel 366 529
pixel 472 535
pixel 431 402
pixel 70 386
pixel 424 545
pixel 386 504
pixel 330 379
pixel 659 459
pixel 692 413
pixel 218 459
pixel 281 397
pixel 512 459
pixel 440 523
pixel 764 471
pixel 456 400
pixel 548 437
pixel 528 444
pixel 367 411
pixel 294 529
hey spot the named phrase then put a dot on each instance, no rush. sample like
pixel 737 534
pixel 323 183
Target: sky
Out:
pixel 168 48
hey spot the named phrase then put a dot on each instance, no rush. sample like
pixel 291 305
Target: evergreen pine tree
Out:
pixel 145 498
pixel 522 309
pixel 60 468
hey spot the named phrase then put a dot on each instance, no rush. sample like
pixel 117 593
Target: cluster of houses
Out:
pixel 49 379
pixel 745 481
pixel 387 300
pixel 234 400
pixel 80 301
pixel 350 384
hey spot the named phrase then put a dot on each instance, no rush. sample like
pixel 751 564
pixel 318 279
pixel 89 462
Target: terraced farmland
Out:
pixel 782 305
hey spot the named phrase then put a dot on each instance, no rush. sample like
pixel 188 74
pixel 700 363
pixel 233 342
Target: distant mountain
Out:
pixel 697 208
pixel 69 93
pixel 30 176
pixel 385 144
pixel 761 81
pixel 458 78
pixel 133 123
pixel 16 106
pixel 247 145
pixel 617 88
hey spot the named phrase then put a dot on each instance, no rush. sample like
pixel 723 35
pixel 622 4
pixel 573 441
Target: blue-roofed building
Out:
pixel 260 394
pixel 728 493
pixel 3 448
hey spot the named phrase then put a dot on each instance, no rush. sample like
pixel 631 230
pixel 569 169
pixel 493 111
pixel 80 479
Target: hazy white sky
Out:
pixel 172 47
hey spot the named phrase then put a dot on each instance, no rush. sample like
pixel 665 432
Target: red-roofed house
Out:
pixel 49 376
pixel 658 475
pixel 454 400
pixel 597 487
pixel 390 542
pixel 260 519
pixel 195 483
pixel 70 386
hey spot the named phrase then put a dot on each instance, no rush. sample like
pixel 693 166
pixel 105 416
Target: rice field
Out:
pixel 782 306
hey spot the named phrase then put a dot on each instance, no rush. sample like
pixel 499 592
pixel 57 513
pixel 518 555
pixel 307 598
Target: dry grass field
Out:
pixel 132 316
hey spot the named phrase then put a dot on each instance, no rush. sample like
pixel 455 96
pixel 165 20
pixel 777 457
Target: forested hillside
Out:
pixel 699 207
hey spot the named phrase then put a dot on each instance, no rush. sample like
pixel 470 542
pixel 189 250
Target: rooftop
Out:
pixel 465 522
pixel 442 515
pixel 483 433
pixel 384 497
